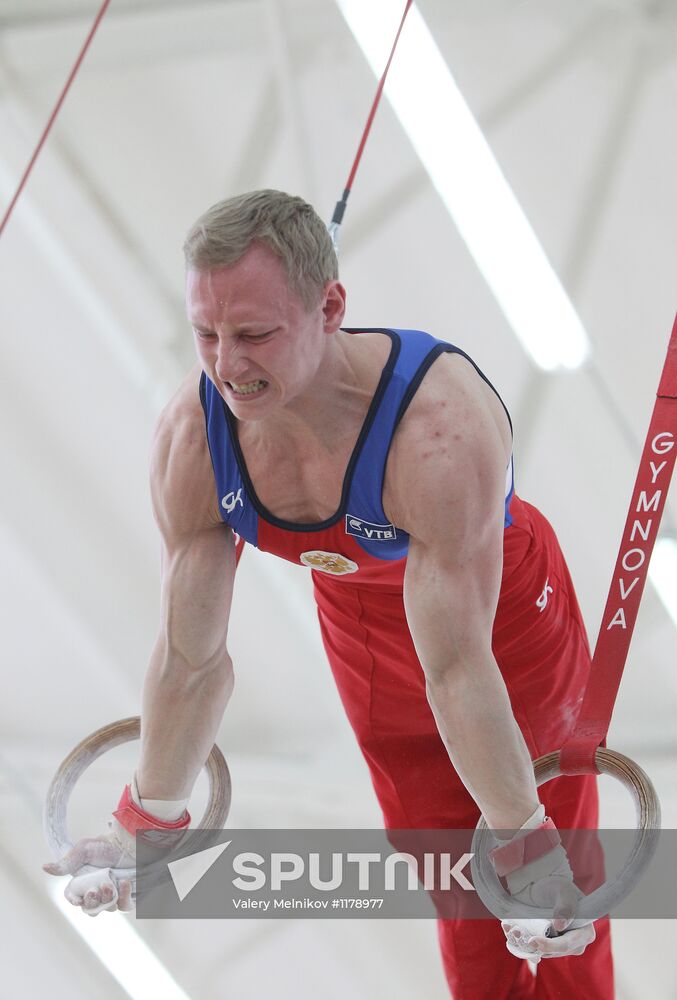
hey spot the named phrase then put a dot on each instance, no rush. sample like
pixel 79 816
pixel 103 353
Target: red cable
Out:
pixel 377 100
pixel 52 117
pixel 340 208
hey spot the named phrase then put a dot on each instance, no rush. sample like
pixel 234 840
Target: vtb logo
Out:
pixel 365 529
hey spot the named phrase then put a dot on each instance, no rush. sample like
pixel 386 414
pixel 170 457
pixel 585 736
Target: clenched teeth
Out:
pixel 248 387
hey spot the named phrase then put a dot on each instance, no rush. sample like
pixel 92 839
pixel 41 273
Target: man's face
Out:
pixel 255 338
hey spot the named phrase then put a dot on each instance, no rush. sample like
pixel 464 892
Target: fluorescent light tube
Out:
pixel 663 574
pixel 121 949
pixel 467 177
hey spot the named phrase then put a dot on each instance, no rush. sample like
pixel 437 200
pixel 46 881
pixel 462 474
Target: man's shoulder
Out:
pixel 184 409
pixel 451 390
pixel 452 421
pixel 182 480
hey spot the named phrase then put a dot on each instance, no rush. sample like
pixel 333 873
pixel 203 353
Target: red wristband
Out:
pixel 515 854
pixel 134 818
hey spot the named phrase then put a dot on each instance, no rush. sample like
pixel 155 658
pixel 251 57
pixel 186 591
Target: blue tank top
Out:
pixel 360 514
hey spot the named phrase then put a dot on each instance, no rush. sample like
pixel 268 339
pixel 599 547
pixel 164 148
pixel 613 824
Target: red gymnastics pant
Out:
pixel 542 651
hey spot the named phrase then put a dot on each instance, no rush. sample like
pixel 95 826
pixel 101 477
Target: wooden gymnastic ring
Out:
pixel 600 902
pixel 92 747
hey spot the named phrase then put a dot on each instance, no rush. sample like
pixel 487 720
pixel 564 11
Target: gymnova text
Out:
pixel 640 532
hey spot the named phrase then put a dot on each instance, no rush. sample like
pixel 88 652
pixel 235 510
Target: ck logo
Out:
pixel 543 599
pixel 231 500
pixel 365 529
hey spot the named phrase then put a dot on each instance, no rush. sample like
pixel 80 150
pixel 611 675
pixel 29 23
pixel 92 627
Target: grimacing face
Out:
pixel 255 338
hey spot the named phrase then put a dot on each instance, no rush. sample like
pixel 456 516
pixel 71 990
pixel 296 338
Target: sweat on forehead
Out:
pixel 244 294
pixel 259 270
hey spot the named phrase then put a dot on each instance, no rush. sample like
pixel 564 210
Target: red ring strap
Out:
pixel 507 858
pixel 134 818
pixel 639 535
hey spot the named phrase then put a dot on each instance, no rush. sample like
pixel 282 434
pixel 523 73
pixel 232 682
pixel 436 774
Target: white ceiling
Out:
pixel 177 105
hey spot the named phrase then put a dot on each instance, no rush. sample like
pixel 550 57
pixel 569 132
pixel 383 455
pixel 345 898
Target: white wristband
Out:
pixel 534 820
pixel 168 810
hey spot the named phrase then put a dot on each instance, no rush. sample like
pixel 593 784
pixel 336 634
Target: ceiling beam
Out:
pixel 135 37
pixel 47 212
pixel 547 71
pixel 39 13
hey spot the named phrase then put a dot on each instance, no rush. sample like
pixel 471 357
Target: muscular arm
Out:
pixel 190 676
pixel 448 487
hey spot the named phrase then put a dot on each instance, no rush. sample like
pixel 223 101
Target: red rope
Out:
pixel 377 101
pixel 340 208
pixel 52 117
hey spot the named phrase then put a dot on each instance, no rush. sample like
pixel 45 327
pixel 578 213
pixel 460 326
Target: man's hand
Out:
pixel 98 890
pixel 544 880
pixel 536 939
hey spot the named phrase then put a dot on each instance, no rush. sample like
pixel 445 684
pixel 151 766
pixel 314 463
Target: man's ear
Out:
pixel 333 306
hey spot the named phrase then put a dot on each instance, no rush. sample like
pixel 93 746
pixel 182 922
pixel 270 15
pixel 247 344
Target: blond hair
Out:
pixel 286 224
